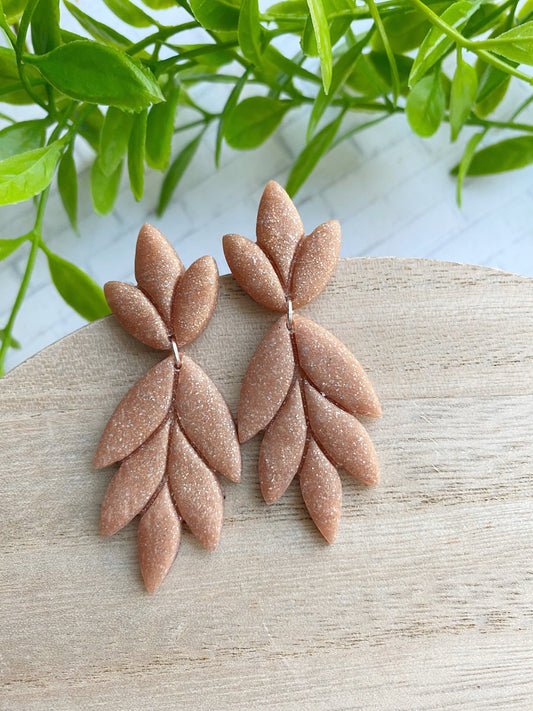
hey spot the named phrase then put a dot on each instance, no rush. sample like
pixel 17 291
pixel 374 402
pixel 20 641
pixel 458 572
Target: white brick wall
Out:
pixel 390 189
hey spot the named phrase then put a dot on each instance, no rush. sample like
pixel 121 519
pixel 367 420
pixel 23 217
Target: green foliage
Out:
pixel 45 33
pixel 253 120
pixel 91 72
pixel 67 183
pixel 319 20
pixel 426 105
pixel 176 171
pixel 104 188
pixel 77 288
pixel 26 174
pixel 311 154
pixel 436 43
pixel 114 138
pixel 216 14
pixel 159 130
pixel 462 96
pixel 506 155
pixel 128 100
pixel 8 246
pixel 21 137
pixel 136 154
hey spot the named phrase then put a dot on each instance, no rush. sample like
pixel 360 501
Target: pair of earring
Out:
pixel 173 432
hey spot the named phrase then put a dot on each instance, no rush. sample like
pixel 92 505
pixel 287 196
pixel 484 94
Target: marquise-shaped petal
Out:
pixel 158 539
pixel 343 437
pixel 195 298
pixel 206 419
pixel 266 381
pixel 157 268
pixel 282 447
pixel 135 482
pixel 195 489
pixel 333 369
pixel 322 491
pixel 315 263
pixel 253 270
pixel 136 314
pixel 138 414
pixel 279 227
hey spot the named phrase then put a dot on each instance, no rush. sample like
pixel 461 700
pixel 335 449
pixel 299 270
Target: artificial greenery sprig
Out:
pixel 435 61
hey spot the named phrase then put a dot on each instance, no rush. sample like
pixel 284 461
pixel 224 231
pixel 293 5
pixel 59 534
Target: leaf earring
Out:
pixel 173 430
pixel 303 387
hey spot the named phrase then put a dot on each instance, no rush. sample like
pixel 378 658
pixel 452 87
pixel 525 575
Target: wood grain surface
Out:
pixel 424 602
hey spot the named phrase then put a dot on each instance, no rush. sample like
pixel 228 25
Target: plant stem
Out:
pixel 193 124
pixel 35 235
pixel 476 47
pixel 163 34
pixel 20 46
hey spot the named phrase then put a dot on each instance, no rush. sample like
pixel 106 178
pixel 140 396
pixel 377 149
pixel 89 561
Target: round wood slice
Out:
pixel 424 602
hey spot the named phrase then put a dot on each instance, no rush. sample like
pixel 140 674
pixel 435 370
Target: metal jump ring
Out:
pixel 289 313
pixel 177 357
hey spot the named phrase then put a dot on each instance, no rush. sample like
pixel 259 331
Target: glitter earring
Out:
pixel 173 430
pixel 303 387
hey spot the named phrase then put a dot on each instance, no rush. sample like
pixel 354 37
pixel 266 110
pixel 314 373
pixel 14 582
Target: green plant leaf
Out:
pixel 511 154
pixel 290 9
pixel 253 120
pixel 311 154
pixel 208 56
pixel 462 96
pixel 13 9
pixel 425 105
pixel 77 288
pixel 176 171
pixel 98 30
pixel 526 8
pixel 130 13
pixel 67 183
pixel 250 31
pixel 516 44
pixel 24 175
pixel 436 43
pixel 395 77
pixel 341 71
pixel 8 246
pixel 114 138
pixel 136 154
pixel 338 24
pixel 22 137
pixel 91 128
pixel 13 343
pixel 462 169
pixel 229 106
pixel 104 188
pixel 11 89
pixel 98 74
pixel 45 32
pixel 159 131
pixel 492 87
pixel 405 30
pixel 288 66
pixel 216 14
pixel 323 40
pixel 380 62
pixel 159 4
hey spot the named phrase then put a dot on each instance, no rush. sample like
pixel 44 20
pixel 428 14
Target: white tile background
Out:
pixel 391 191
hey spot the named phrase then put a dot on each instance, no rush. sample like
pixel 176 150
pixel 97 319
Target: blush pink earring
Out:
pixel 172 431
pixel 303 387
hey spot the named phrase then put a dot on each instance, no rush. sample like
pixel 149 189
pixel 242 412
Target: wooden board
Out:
pixel 424 602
